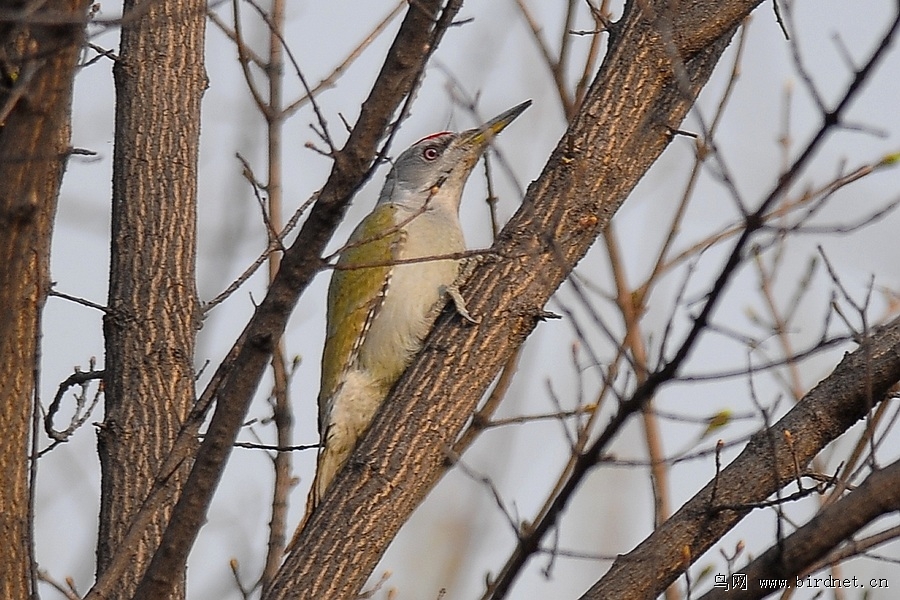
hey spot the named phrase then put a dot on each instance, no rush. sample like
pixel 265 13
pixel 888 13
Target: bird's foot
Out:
pixel 459 304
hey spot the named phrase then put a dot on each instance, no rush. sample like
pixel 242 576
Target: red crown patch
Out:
pixel 432 136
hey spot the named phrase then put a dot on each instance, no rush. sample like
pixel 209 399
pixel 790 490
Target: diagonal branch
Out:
pixel 878 495
pixel 623 126
pixel 764 466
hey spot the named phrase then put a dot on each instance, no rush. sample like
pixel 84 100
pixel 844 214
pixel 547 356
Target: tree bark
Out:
pixel 789 558
pixel 656 65
pixel 37 62
pixel 153 311
pixel 765 465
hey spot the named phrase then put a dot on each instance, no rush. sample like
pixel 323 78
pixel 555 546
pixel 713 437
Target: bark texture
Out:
pixel 235 381
pixel 765 465
pixel 37 62
pixel 836 524
pixel 656 65
pixel 153 313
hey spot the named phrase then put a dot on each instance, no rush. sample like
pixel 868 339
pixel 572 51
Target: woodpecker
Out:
pixel 379 307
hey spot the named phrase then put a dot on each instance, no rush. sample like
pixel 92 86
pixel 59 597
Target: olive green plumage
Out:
pixel 352 298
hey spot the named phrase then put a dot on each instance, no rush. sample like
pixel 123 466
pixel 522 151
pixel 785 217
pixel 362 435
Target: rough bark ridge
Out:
pixel 647 84
pixel 37 62
pixel 153 310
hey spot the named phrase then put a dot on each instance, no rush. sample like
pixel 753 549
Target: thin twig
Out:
pixel 553 64
pixel 329 81
pixel 80 378
pixel 273 246
pixel 77 300
pixel 66 590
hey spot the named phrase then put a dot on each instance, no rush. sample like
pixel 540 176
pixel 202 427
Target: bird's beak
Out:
pixel 479 137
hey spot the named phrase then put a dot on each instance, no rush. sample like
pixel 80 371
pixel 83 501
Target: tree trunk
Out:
pixel 153 309
pixel 235 381
pixel 37 62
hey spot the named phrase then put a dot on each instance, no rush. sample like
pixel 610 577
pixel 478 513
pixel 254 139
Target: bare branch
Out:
pixel 79 378
pixel 764 466
pixel 878 495
pixel 329 81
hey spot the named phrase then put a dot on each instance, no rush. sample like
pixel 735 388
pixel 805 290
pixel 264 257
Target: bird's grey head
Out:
pixel 433 171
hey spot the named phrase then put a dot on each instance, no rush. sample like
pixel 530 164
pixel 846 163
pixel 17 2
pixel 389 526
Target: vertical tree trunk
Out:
pixel 153 309
pixel 37 62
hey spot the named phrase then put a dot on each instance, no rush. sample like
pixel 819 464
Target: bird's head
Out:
pixel 434 170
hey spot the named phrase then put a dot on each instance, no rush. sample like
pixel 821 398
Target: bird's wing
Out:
pixel 355 296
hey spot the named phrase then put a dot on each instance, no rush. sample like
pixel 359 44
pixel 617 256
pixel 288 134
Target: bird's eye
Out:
pixel 430 153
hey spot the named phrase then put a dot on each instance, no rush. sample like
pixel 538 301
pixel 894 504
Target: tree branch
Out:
pixel 879 494
pixel 623 127
pixel 765 465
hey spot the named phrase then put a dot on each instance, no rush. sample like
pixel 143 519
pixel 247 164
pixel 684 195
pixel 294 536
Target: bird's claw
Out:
pixel 459 304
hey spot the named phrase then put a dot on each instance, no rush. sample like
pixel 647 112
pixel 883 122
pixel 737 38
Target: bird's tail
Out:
pixel 327 465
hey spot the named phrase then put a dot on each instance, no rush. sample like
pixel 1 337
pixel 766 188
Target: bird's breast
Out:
pixel 413 289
